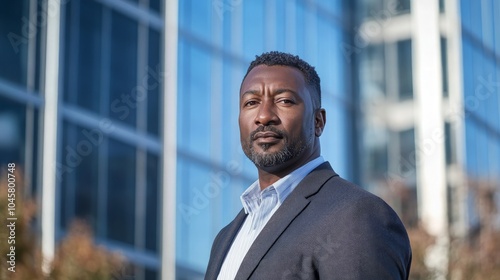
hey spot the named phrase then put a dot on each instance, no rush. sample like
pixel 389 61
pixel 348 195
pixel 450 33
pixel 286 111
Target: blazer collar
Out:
pixel 291 208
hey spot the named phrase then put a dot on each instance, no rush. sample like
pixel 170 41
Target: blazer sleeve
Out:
pixel 372 243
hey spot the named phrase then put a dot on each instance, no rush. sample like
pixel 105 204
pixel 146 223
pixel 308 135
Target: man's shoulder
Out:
pixel 336 185
pixel 339 194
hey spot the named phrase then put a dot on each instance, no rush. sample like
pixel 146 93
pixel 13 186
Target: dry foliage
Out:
pixel 478 257
pixel 77 257
pixel 420 241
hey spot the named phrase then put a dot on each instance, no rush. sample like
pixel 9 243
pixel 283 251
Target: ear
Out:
pixel 319 121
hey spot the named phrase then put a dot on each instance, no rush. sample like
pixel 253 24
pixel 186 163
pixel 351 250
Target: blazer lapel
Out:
pixel 222 246
pixel 291 208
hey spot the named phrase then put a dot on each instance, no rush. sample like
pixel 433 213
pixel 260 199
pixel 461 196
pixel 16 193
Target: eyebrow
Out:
pixel 275 92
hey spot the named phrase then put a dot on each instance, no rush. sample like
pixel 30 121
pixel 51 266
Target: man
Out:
pixel 300 220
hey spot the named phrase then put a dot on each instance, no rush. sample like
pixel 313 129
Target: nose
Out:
pixel 266 114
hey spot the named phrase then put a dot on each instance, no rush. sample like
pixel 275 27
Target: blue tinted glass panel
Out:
pixel 280 25
pixel 121 192
pixel 16 33
pixel 89 56
pixel 194 101
pixel 253 28
pixel 496 26
pixel 441 6
pixel 65 163
pixel 199 21
pixel 301 37
pixel 372 73
pixel 444 65
pixel 83 54
pixel 471 153
pixel 406 154
pixel 333 7
pixel 39 68
pixel 123 72
pixel 230 104
pixel 403 6
pixel 367 9
pixel 197 197
pixel 12 127
pixel 152 197
pixel 465 17
pixel 450 149
pixel 329 78
pixel 376 151
pixel 184 16
pixel 78 173
pixel 150 274
pixel 155 5
pixel 405 76
pixel 154 83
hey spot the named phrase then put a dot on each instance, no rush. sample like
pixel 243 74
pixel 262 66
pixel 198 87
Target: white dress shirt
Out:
pixel 260 206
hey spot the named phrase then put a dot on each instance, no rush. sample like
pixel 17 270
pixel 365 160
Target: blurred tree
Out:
pixel 478 256
pixel 420 241
pixel 77 257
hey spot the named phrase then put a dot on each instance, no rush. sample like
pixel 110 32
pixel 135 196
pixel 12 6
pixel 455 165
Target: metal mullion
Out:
pixel 216 118
pixel 236 47
pixel 291 22
pixel 270 23
pixel 70 197
pixel 169 124
pixel 30 114
pixel 391 65
pixel 141 156
pixel 311 35
pixel 103 161
pixel 74 47
pixel 50 114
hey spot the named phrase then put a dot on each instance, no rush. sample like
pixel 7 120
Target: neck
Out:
pixel 269 175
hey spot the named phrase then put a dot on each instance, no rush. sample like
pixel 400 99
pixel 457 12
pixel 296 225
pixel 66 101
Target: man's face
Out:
pixel 277 119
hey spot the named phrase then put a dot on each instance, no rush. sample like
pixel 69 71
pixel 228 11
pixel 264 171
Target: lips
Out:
pixel 267 135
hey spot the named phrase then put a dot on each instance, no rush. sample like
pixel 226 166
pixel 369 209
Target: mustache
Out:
pixel 273 129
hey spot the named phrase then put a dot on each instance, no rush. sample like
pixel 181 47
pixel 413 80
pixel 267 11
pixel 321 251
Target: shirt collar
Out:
pixel 252 196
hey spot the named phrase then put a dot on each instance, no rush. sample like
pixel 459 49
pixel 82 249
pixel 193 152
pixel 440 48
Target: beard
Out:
pixel 291 148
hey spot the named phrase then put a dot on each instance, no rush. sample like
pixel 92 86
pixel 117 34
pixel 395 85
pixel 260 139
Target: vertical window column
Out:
pixel 431 175
pixel 169 160
pixel 50 117
pixel 428 98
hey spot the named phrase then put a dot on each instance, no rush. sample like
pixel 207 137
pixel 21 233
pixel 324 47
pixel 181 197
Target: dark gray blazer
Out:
pixel 327 228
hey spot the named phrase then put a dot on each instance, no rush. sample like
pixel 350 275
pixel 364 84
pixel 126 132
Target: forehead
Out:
pixel 275 76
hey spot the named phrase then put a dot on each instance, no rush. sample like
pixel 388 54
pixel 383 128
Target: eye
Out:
pixel 286 101
pixel 250 103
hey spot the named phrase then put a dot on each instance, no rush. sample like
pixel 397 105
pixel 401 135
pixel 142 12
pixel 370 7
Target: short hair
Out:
pixel 285 59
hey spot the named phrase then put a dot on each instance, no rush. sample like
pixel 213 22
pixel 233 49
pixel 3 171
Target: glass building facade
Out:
pixel 481 101
pixel 110 153
pixel 217 41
